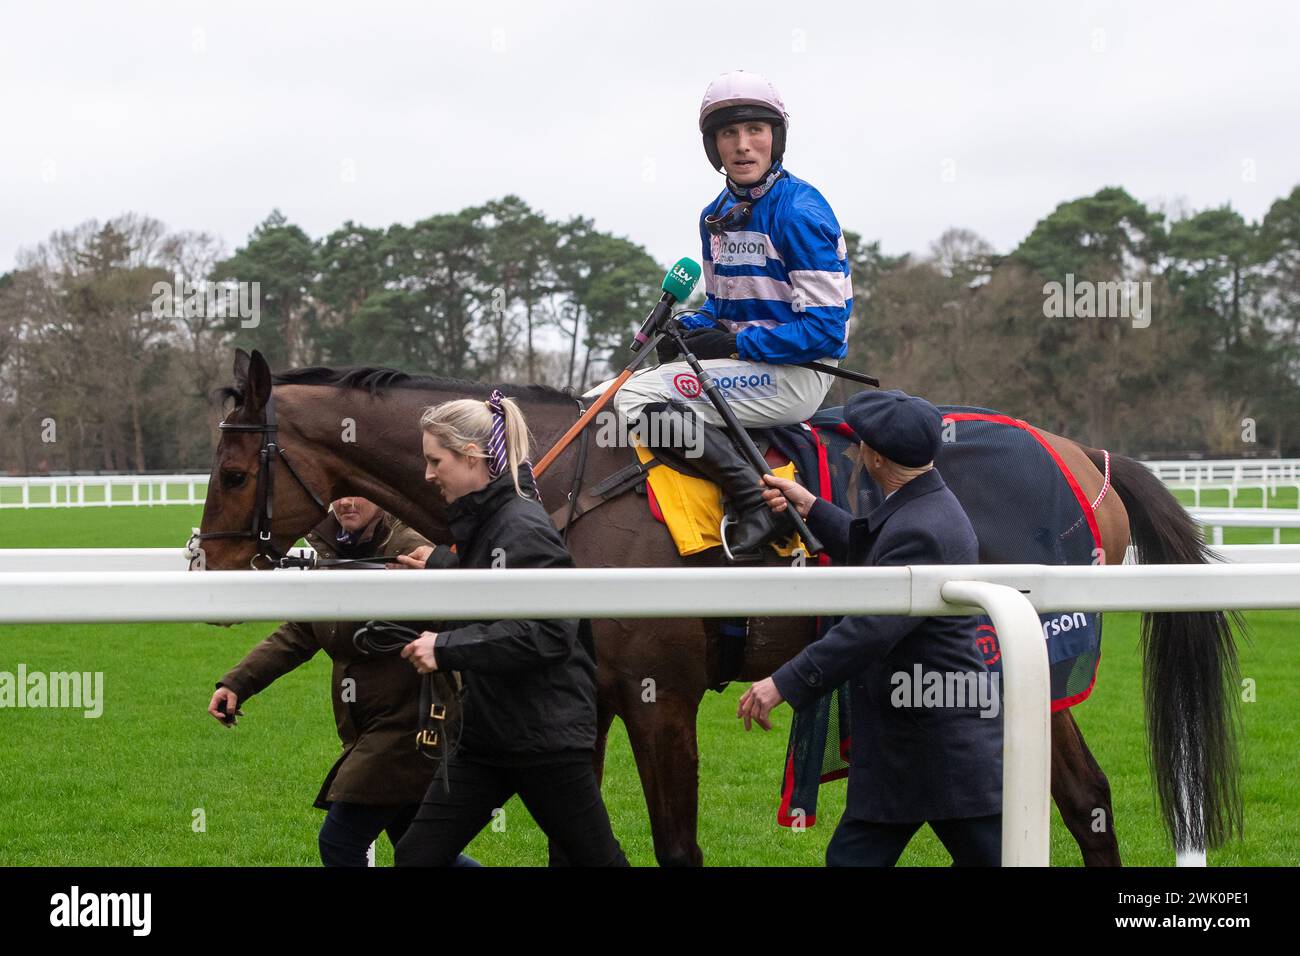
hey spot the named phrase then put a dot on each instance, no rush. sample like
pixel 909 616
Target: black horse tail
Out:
pixel 1191 679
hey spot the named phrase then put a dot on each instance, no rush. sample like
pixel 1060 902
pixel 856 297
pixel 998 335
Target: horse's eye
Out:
pixel 233 479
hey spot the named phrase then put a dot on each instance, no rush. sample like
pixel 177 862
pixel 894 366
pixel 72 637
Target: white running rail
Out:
pixel 102 491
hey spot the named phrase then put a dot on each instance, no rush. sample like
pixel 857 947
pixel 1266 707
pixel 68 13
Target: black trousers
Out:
pixel 972 841
pixel 350 828
pixel 561 795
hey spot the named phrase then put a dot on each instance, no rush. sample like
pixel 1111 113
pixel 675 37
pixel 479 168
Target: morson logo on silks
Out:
pixel 740 249
pixel 736 382
pixel 1069 635
pixel 986 639
pixel 686 384
pixel 1055 624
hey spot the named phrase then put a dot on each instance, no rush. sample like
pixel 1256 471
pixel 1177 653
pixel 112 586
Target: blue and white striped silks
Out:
pixel 782 282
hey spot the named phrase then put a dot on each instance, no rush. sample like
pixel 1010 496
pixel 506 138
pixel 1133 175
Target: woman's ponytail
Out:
pixel 517 442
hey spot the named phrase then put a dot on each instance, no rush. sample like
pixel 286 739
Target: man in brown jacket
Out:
pixel 378 781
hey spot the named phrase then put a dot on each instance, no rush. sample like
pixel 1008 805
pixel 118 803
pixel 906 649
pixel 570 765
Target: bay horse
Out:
pixel 355 432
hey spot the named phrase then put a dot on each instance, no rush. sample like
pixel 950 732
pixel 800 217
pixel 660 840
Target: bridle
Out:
pixel 263 513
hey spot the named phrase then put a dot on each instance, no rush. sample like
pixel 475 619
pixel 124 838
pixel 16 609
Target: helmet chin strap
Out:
pixel 759 189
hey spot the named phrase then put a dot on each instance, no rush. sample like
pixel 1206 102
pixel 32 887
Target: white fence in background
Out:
pixel 1012 595
pixel 1216 519
pixel 1260 553
pixel 106 491
pixel 1234 471
pixel 1232 476
pixel 102 491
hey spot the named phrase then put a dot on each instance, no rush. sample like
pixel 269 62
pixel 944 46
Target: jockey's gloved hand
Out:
pixel 711 343
pixel 667 351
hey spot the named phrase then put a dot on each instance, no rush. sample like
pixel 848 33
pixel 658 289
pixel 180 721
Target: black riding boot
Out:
pixel 676 434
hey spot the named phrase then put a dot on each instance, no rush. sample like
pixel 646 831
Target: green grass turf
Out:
pixel 1246 498
pixel 122 789
pixel 136 526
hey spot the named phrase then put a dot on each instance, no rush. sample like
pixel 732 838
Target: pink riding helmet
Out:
pixel 737 96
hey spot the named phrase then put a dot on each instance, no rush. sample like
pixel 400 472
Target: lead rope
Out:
pixel 442 697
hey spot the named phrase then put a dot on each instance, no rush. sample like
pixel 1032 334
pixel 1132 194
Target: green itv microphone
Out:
pixel 679 282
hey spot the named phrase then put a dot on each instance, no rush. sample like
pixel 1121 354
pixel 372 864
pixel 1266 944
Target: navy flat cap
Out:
pixel 902 427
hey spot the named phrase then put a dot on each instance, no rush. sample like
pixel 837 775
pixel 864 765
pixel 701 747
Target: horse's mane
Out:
pixel 377 380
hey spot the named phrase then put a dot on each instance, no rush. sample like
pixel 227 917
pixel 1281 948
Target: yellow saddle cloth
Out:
pixel 692 507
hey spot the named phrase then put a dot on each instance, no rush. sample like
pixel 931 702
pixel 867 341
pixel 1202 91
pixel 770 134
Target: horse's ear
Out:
pixel 241 365
pixel 259 383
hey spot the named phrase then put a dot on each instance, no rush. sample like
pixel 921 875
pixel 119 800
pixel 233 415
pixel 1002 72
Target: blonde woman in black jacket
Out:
pixel 530 707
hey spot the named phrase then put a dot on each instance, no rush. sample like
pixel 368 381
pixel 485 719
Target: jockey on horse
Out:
pixel 778 293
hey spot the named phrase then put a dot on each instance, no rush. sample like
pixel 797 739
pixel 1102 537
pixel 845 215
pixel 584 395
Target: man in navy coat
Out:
pixel 926 713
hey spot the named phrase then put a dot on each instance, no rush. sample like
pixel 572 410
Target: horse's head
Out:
pixel 259 502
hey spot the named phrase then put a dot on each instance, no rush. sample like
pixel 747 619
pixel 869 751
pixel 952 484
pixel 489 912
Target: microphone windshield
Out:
pixel 680 280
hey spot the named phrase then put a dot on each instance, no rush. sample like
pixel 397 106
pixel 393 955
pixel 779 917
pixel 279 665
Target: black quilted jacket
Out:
pixel 531 685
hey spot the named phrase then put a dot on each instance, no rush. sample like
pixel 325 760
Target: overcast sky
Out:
pixel 909 117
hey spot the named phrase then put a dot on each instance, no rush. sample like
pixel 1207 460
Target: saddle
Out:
pixel 820 454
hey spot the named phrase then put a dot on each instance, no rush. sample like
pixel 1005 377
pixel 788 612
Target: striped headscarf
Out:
pixel 498 458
